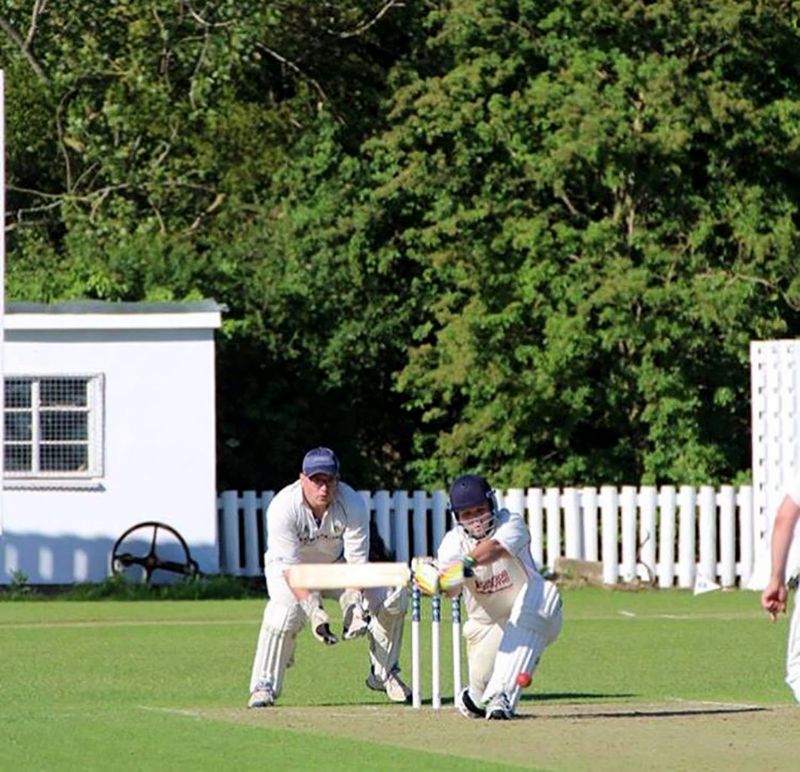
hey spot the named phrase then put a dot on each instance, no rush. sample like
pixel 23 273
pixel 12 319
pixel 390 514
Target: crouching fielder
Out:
pixel 320 519
pixel 513 612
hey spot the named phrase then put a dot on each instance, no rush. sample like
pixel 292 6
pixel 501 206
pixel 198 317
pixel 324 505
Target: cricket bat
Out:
pixel 332 576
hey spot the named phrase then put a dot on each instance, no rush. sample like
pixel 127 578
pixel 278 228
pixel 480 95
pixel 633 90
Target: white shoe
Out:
pixel 499 708
pixel 262 696
pixel 467 707
pixel 394 688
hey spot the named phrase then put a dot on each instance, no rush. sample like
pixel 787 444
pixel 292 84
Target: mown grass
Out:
pixel 118 684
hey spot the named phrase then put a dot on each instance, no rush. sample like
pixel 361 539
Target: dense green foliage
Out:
pixel 527 237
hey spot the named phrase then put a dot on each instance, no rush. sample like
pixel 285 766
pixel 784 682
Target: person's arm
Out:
pixel 453 573
pixel 773 599
pixel 488 551
pixel 356 534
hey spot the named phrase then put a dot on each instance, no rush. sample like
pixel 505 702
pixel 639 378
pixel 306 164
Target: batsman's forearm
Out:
pixel 782 533
pixel 488 551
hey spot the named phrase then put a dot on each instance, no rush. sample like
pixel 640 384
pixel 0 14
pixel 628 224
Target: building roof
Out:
pixel 105 315
pixel 110 307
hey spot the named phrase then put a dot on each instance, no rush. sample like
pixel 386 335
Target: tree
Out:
pixel 604 199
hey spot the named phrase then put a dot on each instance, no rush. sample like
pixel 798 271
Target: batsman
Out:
pixel 320 519
pixel 513 612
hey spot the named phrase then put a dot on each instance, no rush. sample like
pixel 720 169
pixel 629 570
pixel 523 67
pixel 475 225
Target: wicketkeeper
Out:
pixel 513 612
pixel 320 519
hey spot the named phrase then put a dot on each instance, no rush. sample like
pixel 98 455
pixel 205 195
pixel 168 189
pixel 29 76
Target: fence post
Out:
pixel 400 505
pixel 553 515
pixel 648 499
pixel 608 507
pixel 727 536
pixel 229 533
pixel 535 521
pixel 666 536
pixel 383 520
pixel 746 534
pixel 628 506
pixel 707 505
pixel 686 538
pixel 589 518
pixel 573 547
pixel 420 520
pixel 515 501
pixel 439 505
pixel 250 515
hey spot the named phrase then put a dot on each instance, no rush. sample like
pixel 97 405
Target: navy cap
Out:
pixel 468 491
pixel 320 461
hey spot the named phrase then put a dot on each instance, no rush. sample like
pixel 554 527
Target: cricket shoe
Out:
pixel 394 688
pixel 262 696
pixel 499 708
pixel 467 707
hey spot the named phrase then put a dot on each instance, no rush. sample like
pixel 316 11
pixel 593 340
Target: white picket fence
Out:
pixel 666 536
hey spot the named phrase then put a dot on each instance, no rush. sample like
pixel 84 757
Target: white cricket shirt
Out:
pixel 293 535
pixel 490 593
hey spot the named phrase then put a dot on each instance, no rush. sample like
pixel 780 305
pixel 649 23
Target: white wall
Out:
pixel 159 459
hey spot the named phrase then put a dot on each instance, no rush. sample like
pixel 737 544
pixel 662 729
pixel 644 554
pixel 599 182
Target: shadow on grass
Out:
pixel 551 696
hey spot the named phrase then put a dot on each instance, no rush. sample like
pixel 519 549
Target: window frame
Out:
pixel 95 404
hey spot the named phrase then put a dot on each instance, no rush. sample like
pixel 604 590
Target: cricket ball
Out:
pixel 524 679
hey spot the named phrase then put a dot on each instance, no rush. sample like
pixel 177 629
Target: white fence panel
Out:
pixel 552 510
pixel 535 521
pixel 573 527
pixel 589 519
pixel 667 506
pixel 401 546
pixel 382 507
pixel 609 507
pixel 687 501
pixel 707 505
pixel 747 535
pixel 250 511
pixel 440 504
pixel 639 534
pixel 727 536
pixel 629 543
pixel 420 521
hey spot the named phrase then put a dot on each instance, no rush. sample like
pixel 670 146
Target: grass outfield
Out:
pixel 656 679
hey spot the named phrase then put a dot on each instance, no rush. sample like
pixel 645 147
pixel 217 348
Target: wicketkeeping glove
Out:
pixel 356 619
pixel 452 574
pixel 426 575
pixel 321 628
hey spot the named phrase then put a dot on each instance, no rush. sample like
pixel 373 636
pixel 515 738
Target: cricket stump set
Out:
pixel 324 576
pixel 416 649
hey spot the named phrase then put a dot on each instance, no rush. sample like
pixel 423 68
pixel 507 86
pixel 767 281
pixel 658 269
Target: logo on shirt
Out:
pixel 494 583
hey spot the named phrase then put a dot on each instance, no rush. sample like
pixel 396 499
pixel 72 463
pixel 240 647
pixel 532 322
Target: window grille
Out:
pixel 53 426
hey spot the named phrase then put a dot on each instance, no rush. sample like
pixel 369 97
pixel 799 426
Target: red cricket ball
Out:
pixel 524 679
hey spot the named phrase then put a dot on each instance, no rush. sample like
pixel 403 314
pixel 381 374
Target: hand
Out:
pixel 321 628
pixel 426 576
pixel 452 574
pixel 773 599
pixel 356 620
pixel 323 633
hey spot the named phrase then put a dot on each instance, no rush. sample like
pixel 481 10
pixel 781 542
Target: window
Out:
pixel 53 426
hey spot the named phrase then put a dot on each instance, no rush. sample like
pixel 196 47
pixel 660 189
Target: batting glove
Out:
pixel 426 576
pixel 452 574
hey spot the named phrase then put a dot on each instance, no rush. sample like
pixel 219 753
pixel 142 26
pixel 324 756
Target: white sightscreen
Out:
pixel 775 379
pixel 2 275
